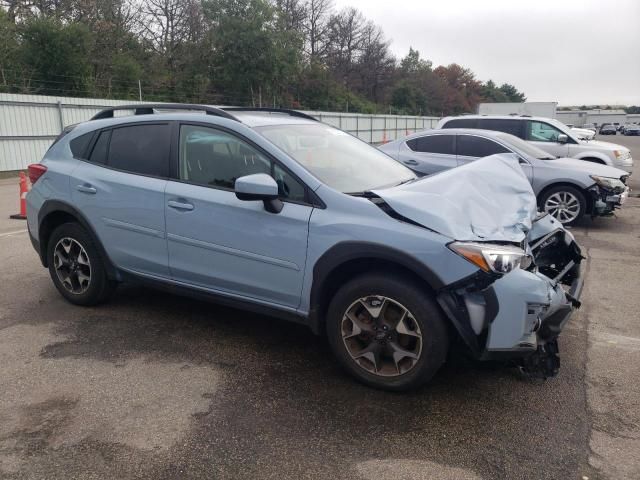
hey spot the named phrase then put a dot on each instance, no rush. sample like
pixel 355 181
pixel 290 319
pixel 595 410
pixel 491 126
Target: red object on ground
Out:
pixel 23 202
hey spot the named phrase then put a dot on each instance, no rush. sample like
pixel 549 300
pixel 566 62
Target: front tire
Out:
pixel 564 203
pixel 387 332
pixel 76 266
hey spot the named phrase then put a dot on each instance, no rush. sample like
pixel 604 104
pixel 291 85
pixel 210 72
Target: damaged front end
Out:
pixel 528 279
pixel 607 194
pixel 519 315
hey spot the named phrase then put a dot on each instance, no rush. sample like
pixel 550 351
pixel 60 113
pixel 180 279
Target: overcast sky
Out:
pixel 570 51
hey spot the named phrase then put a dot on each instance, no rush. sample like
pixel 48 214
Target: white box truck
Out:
pixel 534 109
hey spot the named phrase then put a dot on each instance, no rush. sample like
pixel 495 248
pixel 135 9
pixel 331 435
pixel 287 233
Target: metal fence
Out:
pixel 29 123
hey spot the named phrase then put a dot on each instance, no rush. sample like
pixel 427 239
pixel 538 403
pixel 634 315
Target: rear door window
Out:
pixel 442 144
pixel 472 146
pixel 101 148
pixel 141 149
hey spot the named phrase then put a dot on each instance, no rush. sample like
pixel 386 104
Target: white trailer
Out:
pixel 534 109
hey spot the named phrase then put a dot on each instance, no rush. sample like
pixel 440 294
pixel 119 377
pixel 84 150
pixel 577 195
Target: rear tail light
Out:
pixel 36 170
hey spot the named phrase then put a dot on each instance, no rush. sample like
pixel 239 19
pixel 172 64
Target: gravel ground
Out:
pixel 158 386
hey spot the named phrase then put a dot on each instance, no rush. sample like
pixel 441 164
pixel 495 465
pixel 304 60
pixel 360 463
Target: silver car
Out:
pixel 566 188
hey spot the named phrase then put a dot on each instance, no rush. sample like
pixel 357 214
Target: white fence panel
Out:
pixel 29 123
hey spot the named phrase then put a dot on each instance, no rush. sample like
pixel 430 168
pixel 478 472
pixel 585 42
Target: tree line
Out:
pixel 289 53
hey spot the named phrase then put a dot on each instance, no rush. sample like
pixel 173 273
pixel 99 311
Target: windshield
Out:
pixel 338 159
pixel 525 147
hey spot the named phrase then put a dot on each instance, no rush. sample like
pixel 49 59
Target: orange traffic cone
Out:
pixel 384 137
pixel 23 202
pixel 408 132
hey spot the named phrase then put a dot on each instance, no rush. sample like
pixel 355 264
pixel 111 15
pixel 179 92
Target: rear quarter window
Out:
pixel 80 145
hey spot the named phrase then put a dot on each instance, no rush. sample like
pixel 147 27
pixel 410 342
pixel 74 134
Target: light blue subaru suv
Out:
pixel 273 211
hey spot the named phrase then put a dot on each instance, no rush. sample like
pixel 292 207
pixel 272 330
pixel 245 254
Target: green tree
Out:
pixel 56 55
pixel 9 58
pixel 254 60
pixel 512 93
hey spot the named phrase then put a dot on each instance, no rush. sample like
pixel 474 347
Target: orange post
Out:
pixel 384 137
pixel 23 200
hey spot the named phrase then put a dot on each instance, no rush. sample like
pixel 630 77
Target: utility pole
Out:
pixel 140 90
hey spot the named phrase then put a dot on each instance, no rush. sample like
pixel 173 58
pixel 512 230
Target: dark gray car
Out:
pixel 566 188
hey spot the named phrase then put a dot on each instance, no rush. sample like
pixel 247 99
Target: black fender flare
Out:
pixel 53 206
pixel 347 251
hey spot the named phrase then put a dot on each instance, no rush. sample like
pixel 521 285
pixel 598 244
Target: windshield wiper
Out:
pixel 365 194
pixel 409 180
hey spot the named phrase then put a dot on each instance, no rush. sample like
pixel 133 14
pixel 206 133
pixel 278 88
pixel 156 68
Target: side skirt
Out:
pixel 201 293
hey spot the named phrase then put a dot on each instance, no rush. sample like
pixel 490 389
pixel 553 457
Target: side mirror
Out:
pixel 259 186
pixel 562 138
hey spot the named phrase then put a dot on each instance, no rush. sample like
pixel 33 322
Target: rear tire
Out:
pixel 566 204
pixel 76 267
pixel 397 358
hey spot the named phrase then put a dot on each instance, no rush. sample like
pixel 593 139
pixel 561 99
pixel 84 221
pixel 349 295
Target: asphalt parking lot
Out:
pixel 158 386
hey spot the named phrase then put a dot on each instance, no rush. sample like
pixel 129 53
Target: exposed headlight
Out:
pixel 621 153
pixel 608 182
pixel 492 258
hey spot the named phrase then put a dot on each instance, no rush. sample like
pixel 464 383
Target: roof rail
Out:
pixel 293 113
pixel 148 109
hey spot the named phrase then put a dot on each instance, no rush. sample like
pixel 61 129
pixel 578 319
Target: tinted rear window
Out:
pixel 514 127
pixel 472 146
pixel 461 123
pixel 433 144
pixel 80 145
pixel 142 149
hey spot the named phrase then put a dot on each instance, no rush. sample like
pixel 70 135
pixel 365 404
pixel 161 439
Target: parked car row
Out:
pixel 550 135
pixel 566 188
pixel 623 129
pixel 273 211
pixel 630 129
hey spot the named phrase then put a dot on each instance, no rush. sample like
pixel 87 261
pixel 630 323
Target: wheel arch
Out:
pixel 347 260
pixel 585 192
pixel 54 213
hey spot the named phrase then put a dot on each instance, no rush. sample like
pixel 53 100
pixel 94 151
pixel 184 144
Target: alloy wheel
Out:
pixel 72 265
pixel 564 206
pixel 381 336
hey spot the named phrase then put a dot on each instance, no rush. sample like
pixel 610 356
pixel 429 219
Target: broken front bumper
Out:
pixel 606 201
pixel 520 315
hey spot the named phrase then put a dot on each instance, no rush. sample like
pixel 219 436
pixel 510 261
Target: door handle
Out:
pixel 180 205
pixel 410 162
pixel 86 188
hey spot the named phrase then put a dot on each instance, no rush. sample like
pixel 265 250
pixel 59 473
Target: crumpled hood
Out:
pixel 591 168
pixel 486 200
